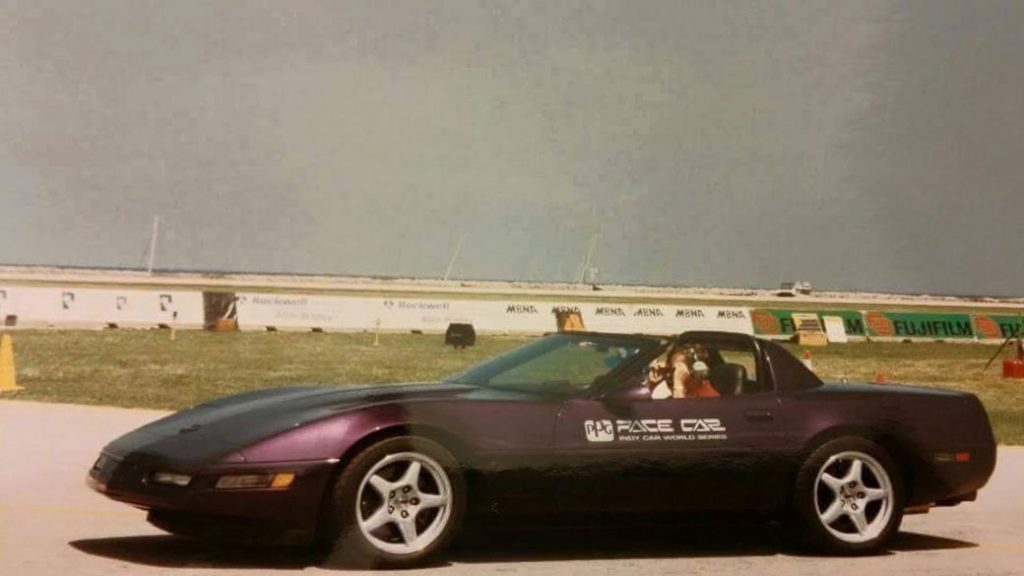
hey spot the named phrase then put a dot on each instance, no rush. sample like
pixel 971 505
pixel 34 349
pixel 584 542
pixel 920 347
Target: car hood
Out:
pixel 217 428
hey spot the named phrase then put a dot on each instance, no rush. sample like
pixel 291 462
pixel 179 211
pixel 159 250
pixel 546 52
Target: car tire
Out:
pixel 848 498
pixel 396 504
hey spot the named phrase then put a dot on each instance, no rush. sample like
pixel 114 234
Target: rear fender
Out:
pixel 900 447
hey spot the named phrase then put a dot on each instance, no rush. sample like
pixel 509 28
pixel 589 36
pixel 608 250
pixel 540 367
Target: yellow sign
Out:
pixel 7 380
pixel 809 331
pixel 569 321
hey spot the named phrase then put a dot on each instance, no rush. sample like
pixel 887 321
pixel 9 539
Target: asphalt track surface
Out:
pixel 51 523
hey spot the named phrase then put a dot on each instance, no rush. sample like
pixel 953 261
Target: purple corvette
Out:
pixel 567 427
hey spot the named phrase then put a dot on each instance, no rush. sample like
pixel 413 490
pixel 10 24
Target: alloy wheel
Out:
pixel 853 497
pixel 404 503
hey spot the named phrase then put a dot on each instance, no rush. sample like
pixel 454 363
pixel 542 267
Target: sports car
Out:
pixel 564 428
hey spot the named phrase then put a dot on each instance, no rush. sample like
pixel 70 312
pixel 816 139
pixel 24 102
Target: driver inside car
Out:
pixel 682 374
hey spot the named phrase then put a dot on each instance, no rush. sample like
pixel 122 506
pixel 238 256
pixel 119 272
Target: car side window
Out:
pixel 744 365
pixel 693 370
pixel 576 364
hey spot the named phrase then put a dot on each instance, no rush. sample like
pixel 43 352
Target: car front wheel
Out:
pixel 397 504
pixel 849 497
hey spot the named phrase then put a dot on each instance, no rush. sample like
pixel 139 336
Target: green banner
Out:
pixel 924 325
pixel 994 327
pixel 774 322
pixel 919 325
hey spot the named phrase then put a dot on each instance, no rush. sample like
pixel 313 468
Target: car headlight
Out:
pixel 255 481
pixel 170 478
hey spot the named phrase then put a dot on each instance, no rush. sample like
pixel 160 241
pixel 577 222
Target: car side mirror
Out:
pixel 632 393
pixel 622 401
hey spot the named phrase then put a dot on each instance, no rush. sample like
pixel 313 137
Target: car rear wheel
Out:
pixel 849 497
pixel 397 504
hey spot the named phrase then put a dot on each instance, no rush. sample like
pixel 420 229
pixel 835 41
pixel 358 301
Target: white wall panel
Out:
pixel 93 307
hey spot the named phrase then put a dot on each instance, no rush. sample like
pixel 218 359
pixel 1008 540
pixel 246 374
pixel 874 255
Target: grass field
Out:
pixel 146 369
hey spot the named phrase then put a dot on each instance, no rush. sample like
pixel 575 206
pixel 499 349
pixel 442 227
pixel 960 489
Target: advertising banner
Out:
pixel 664 319
pixel 995 327
pixel 535 317
pixel 288 311
pixel 919 325
pixel 835 329
pixel 777 323
pixel 257 311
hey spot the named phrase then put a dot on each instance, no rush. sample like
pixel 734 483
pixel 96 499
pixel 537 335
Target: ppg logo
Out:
pixel 599 430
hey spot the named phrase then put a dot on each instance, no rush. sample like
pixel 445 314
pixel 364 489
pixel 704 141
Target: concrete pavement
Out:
pixel 51 523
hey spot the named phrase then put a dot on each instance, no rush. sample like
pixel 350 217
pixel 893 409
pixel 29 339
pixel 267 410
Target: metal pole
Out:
pixel 455 254
pixel 152 244
pixel 1020 342
pixel 586 261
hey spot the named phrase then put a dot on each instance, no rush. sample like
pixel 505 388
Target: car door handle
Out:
pixel 759 415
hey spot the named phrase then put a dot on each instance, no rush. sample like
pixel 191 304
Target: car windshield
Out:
pixel 560 363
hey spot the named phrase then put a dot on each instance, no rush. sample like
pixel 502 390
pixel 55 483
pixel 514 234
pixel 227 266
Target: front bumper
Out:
pixel 293 509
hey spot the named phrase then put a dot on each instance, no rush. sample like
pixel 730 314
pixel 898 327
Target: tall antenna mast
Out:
pixel 152 245
pixel 586 261
pixel 455 255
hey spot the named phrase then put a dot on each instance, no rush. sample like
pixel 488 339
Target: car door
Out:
pixel 509 421
pixel 623 451
pixel 512 440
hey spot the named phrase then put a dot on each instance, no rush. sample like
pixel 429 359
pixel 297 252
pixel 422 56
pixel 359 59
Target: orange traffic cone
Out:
pixel 7 380
pixel 880 377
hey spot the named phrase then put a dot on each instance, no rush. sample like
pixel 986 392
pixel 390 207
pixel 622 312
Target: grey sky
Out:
pixel 854 144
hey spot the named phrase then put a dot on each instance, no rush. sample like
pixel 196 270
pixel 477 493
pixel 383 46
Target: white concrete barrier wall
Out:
pixel 71 307
pixel 95 308
pixel 256 311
